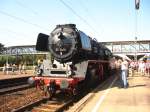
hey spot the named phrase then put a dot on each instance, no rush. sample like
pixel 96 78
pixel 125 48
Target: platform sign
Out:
pixel 137 4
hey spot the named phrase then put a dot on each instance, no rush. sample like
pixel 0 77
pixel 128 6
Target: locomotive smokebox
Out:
pixel 62 42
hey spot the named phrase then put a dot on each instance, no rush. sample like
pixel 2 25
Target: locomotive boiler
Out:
pixel 79 60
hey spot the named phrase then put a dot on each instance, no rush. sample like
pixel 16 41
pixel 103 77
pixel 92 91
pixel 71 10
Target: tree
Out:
pixel 2 48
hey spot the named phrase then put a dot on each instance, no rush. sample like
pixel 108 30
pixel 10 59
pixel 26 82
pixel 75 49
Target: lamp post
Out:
pixel 7 60
pixel 137 6
pixel 135 57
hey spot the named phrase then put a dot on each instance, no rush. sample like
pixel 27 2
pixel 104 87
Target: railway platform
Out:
pixel 112 98
pixel 11 75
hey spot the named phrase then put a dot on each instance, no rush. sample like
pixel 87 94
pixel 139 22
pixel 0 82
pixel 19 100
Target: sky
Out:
pixel 106 20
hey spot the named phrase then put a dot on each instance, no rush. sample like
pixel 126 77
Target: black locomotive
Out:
pixel 67 43
pixel 85 61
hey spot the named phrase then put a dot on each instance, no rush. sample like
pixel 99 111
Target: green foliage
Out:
pixel 1 48
pixel 5 58
pixel 2 60
pixel 28 59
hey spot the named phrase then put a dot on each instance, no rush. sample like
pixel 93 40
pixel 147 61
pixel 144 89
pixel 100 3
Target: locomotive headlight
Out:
pixel 64 84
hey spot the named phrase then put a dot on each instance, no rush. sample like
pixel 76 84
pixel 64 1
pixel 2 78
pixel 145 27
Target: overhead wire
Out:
pixel 81 18
pixel 89 14
pixel 14 35
pixel 18 34
pixel 13 32
pixel 27 7
pixel 22 20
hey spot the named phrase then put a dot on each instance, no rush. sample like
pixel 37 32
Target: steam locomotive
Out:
pixel 78 61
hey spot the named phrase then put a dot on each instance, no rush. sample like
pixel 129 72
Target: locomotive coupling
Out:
pixel 52 87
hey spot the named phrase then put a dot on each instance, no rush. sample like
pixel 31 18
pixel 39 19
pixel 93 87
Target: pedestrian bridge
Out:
pixel 19 50
pixel 129 48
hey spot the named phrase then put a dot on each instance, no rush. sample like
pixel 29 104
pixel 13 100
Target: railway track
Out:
pixel 14 89
pixel 6 83
pixel 47 105
pixel 60 104
pixel 13 85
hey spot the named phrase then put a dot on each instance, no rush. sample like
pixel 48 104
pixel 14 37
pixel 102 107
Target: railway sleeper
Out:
pixel 38 109
pixel 50 106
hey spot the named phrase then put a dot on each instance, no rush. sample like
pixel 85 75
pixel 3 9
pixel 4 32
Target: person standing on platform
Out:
pixel 142 67
pixel 24 68
pixel 133 67
pixel 4 69
pixel 13 67
pixel 148 67
pixel 20 68
pixel 124 72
